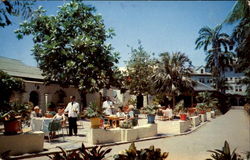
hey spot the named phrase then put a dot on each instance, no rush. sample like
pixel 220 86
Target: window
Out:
pixel 240 88
pixel 202 71
pixel 236 88
pixel 208 81
pixel 231 78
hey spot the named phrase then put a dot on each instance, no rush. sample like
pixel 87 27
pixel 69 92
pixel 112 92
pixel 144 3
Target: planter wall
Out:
pixel 22 143
pixel 209 116
pixel 180 126
pixel 195 121
pixel 99 136
pixel 203 117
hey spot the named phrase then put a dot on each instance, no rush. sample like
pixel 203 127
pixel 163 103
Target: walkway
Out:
pixel 233 127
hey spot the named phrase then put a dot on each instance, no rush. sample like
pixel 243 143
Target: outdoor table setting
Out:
pixel 114 121
pixel 40 124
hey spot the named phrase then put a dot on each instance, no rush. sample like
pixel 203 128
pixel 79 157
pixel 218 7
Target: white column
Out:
pixel 46 101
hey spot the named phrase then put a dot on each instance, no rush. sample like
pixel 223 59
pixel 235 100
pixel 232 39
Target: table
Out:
pixel 40 124
pixel 114 121
pixel 167 113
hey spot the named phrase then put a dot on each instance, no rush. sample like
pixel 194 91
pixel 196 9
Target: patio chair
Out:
pixel 55 126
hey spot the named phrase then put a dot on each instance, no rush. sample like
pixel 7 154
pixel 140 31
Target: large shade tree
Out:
pixel 14 8
pixel 217 46
pixel 172 75
pixel 139 71
pixel 71 47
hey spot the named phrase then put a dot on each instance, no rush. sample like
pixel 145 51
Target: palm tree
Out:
pixel 172 75
pixel 241 10
pixel 212 37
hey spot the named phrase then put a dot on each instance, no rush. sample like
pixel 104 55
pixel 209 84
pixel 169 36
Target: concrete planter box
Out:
pixel 180 126
pixel 195 121
pixel 209 116
pixel 22 143
pixel 98 136
pixel 203 117
pixel 213 114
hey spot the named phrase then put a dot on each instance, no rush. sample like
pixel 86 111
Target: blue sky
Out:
pixel 160 25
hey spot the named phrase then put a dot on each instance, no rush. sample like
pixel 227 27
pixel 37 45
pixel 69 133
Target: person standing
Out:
pixel 107 104
pixel 73 110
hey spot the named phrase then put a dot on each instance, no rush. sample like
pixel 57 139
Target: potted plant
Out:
pixel 201 108
pixel 13 118
pixel 94 113
pixel 182 110
pixel 150 110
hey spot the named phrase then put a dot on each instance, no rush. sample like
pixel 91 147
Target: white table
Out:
pixel 40 124
pixel 167 113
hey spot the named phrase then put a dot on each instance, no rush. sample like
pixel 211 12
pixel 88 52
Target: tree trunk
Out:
pixel 139 101
pixel 173 101
pixel 83 95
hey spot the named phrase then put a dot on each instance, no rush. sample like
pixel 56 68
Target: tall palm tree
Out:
pixel 240 11
pixel 171 75
pixel 219 44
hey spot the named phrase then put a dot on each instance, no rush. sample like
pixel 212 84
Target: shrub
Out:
pixel 150 153
pixel 224 154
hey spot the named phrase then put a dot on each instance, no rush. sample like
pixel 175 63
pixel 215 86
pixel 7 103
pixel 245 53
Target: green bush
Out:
pixel 150 153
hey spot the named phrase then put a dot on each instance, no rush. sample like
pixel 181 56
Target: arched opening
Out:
pixel 34 98
pixel 58 97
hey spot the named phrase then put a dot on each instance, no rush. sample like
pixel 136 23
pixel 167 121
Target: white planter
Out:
pixel 209 116
pixel 203 117
pixel 22 143
pixel 213 114
pixel 98 136
pixel 180 126
pixel 195 121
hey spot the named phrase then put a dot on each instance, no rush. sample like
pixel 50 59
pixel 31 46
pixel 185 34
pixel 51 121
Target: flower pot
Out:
pixel 95 122
pixel 202 112
pixel 151 118
pixel 183 117
pixel 12 127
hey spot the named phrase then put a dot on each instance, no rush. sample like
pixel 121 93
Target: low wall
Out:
pixel 195 121
pixel 203 117
pixel 179 126
pixel 22 143
pixel 98 136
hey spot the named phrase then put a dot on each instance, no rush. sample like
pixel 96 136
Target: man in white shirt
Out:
pixel 107 104
pixel 73 110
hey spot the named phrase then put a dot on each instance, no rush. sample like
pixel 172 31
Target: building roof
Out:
pixel 200 87
pixel 17 68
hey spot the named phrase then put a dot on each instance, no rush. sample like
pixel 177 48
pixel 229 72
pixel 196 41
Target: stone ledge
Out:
pixel 22 143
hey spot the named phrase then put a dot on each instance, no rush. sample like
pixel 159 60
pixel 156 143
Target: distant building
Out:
pixel 236 91
pixel 36 91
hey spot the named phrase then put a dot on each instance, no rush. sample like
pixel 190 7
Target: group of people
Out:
pixel 72 110
pixel 128 114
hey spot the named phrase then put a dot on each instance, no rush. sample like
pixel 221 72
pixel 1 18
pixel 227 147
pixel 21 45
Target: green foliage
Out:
pixel 126 124
pixel 206 99
pixel 10 8
pixel 150 153
pixel 150 109
pixel 71 48
pixel 172 74
pixel 93 111
pixel 224 154
pixel 179 107
pixel 15 110
pixel 240 11
pixel 8 85
pixel 95 153
pixel 139 70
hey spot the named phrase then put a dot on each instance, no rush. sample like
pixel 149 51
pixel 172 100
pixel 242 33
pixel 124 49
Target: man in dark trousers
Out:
pixel 73 110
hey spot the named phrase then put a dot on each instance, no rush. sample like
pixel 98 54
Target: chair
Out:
pixel 55 126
